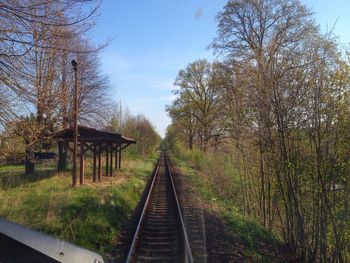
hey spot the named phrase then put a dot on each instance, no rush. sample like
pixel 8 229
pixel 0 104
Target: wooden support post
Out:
pixel 107 162
pixel 116 156
pixel 81 178
pixel 94 164
pixel 120 158
pixel 111 161
pixel 99 163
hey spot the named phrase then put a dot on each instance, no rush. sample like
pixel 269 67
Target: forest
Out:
pixel 268 124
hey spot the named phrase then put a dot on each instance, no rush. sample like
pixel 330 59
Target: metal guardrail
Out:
pixel 57 249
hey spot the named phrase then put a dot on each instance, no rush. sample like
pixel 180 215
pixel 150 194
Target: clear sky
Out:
pixel 154 39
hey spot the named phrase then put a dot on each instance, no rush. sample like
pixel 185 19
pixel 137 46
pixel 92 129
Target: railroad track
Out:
pixel 160 234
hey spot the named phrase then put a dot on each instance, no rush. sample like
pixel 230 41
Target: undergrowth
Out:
pixel 203 174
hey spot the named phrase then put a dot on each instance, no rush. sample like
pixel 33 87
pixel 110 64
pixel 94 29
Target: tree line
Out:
pixel 277 102
pixel 137 127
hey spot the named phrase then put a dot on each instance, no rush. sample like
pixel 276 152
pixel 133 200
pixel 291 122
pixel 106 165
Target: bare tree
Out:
pixel 39 37
pixel 35 26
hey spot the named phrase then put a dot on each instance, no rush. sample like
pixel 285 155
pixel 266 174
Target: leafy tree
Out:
pixel 197 107
pixel 137 127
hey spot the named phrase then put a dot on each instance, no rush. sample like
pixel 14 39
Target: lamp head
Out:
pixel 74 63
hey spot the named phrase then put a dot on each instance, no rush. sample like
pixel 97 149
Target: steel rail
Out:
pixel 138 228
pixel 187 243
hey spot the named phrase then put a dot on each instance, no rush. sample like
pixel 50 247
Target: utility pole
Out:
pixel 75 135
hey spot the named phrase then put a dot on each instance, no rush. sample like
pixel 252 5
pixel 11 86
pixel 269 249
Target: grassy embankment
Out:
pixel 90 216
pixel 216 185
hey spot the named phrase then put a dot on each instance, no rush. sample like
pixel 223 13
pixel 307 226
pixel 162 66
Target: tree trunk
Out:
pixel 262 178
pixel 62 156
pixel 29 164
pixel 190 140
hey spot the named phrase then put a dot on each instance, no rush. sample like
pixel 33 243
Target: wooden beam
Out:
pixel 94 164
pixel 81 177
pixel 103 148
pixel 98 140
pixel 88 147
pixel 126 145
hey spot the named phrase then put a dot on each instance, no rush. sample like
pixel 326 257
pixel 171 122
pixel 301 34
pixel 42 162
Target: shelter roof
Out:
pixel 87 134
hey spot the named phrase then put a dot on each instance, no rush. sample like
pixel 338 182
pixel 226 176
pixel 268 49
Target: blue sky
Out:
pixel 153 40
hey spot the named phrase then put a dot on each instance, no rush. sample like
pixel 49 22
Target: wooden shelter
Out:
pixel 98 142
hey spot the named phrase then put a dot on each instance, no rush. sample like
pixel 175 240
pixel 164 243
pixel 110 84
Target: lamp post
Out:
pixel 75 112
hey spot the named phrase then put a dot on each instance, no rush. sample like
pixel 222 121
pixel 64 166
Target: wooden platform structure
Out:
pixel 98 142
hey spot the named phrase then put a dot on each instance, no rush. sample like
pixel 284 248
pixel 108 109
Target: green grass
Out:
pixel 89 216
pixel 19 167
pixel 250 232
pixel 48 165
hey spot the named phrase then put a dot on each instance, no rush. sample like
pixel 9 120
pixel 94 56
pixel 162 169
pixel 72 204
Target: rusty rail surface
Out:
pixel 160 234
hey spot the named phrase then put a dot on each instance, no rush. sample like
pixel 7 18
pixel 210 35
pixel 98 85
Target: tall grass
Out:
pixel 90 216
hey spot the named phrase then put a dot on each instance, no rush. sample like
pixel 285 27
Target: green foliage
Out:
pixel 137 127
pixel 196 112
